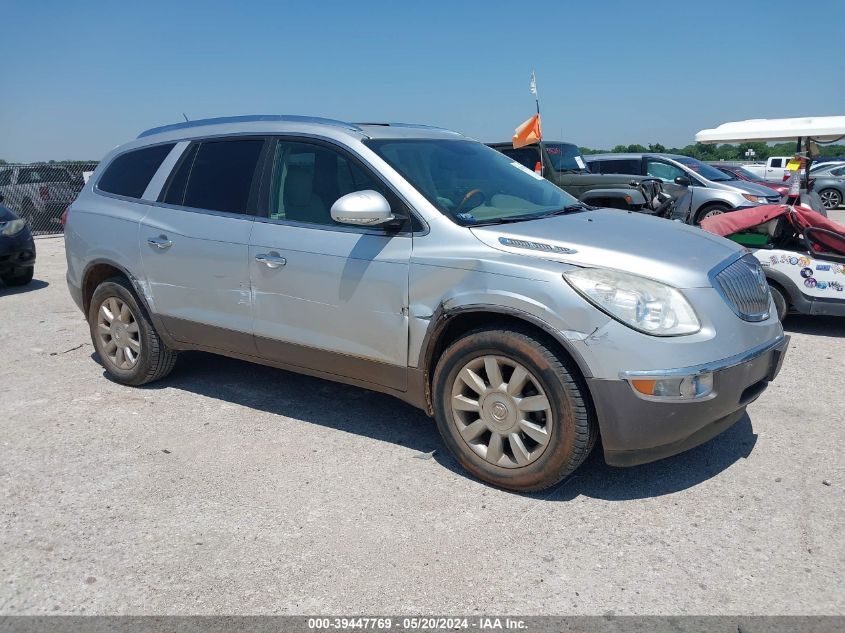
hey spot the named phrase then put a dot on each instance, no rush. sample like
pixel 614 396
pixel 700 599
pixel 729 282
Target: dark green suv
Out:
pixel 562 164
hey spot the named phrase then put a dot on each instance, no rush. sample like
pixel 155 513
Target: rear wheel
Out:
pixel 511 410
pixel 781 304
pixel 830 198
pixel 125 339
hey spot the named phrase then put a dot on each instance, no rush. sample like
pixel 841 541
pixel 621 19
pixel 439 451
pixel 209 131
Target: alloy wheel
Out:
pixel 117 329
pixel 501 411
pixel 830 199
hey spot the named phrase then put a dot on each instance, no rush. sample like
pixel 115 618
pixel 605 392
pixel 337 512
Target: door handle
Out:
pixel 271 260
pixel 159 242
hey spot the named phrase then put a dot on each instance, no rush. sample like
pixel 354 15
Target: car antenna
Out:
pixel 186 117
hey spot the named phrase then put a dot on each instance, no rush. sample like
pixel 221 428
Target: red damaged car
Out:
pixel 740 173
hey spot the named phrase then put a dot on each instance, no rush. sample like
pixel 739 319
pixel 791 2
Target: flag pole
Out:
pixel 533 88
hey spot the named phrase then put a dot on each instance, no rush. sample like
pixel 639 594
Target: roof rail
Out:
pixel 288 118
pixel 408 125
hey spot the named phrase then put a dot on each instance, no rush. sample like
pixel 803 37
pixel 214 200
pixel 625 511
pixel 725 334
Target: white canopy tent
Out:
pixel 818 128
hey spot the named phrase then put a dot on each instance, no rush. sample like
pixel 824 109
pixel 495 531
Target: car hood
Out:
pixel 751 187
pixel 671 252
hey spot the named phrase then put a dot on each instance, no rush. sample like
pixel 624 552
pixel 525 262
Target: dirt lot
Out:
pixel 233 488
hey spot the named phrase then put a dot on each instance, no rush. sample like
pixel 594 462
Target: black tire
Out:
pixel 155 359
pixel 19 280
pixel 573 431
pixel 781 304
pixel 710 210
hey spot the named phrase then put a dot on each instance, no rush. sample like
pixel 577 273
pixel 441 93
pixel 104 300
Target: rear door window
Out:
pixel 5 177
pixel 216 175
pixel 129 174
pixel 777 162
pixel 617 166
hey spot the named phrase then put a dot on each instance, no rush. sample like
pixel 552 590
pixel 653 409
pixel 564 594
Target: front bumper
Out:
pixel 635 430
pixel 16 255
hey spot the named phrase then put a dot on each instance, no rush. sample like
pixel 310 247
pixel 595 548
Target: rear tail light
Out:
pixel 44 192
pixel 63 219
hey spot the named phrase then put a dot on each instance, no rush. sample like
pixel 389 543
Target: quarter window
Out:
pixel 309 178
pixel 777 162
pixel 130 173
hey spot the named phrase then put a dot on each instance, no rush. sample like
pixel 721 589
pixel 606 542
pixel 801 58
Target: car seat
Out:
pixel 300 201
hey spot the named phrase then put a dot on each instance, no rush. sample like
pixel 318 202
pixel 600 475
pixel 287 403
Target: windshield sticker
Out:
pixel 580 162
pixel 466 217
pixel 526 170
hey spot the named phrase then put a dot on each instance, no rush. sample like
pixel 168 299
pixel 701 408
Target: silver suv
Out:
pixel 416 262
pixel 713 191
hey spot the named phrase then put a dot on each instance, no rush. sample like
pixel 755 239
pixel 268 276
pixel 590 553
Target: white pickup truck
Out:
pixel 774 169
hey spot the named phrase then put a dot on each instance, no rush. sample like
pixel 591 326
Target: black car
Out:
pixel 17 249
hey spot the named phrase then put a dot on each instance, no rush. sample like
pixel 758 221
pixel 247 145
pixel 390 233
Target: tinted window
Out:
pixel 308 179
pixel 176 189
pixel 221 176
pixel 130 173
pixel 525 156
pixel 5 177
pixel 837 172
pixel 777 162
pixel 34 175
pixel 617 166
pixel 565 156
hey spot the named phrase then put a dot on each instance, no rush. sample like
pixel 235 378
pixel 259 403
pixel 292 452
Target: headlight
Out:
pixel 643 304
pixel 12 227
pixel 752 198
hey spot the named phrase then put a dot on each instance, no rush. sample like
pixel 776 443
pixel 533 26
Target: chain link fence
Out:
pixel 39 193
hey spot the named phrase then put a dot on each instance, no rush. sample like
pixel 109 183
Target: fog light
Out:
pixel 678 387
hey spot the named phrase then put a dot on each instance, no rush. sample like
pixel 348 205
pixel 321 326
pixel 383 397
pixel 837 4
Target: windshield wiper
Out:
pixel 570 208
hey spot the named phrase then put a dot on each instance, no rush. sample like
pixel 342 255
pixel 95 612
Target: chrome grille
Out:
pixel 743 286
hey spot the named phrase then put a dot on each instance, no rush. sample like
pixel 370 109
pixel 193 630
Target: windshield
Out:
pixel 565 157
pixel 33 175
pixel 470 182
pixel 706 171
pixel 744 173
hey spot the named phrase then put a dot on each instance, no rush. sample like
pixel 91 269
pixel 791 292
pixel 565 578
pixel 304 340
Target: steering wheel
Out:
pixel 470 194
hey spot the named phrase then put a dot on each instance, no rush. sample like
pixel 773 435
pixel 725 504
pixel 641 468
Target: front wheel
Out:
pixel 125 339
pixel 510 410
pixel 19 280
pixel 781 304
pixel 709 212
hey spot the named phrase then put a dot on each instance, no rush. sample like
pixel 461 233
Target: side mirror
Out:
pixel 682 181
pixel 362 208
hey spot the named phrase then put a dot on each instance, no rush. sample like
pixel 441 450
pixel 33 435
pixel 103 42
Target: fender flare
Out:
pixel 443 315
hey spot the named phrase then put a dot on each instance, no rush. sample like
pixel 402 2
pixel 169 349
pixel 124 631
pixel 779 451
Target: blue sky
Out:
pixel 80 77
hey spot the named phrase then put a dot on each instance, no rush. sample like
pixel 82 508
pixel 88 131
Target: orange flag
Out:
pixel 527 133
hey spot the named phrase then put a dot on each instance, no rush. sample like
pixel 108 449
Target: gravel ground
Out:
pixel 234 488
